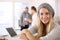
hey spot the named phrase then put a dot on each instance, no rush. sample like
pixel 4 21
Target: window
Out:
pixel 10 13
pixel 19 8
pixel 6 18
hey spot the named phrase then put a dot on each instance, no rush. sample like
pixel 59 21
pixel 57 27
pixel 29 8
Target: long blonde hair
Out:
pixel 50 26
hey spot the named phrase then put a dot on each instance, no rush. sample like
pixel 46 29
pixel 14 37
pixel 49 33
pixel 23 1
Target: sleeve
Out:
pixel 53 35
pixel 33 29
pixel 30 16
pixel 21 20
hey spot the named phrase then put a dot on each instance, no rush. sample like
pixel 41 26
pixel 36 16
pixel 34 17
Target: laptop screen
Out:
pixel 11 32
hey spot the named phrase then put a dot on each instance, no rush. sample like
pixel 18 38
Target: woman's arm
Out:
pixel 29 35
pixel 29 20
pixel 30 32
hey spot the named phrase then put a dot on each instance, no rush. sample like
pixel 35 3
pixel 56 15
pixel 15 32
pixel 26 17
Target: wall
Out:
pixel 38 2
pixel 58 8
pixel 14 1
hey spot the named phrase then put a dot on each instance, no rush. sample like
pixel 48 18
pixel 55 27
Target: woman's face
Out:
pixel 32 11
pixel 44 15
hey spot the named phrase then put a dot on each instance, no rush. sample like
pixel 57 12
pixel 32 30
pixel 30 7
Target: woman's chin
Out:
pixel 45 22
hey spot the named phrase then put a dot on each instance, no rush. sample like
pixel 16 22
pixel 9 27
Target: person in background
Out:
pixel 34 16
pixel 33 21
pixel 46 29
pixel 24 22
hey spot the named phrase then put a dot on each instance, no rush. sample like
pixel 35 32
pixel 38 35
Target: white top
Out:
pixel 53 35
pixel 34 17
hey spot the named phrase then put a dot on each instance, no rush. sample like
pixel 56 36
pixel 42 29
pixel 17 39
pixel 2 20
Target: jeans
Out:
pixel 24 27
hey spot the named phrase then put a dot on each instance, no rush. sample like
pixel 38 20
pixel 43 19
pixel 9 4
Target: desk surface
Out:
pixel 12 38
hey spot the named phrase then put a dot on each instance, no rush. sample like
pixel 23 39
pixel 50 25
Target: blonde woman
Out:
pixel 46 28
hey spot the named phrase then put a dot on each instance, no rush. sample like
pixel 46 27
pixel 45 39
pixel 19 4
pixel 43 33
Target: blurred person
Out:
pixel 34 15
pixel 24 23
pixel 33 21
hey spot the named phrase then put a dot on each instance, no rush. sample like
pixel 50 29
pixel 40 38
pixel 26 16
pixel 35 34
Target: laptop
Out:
pixel 13 34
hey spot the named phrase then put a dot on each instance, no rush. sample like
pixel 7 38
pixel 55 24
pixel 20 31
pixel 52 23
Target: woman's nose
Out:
pixel 44 16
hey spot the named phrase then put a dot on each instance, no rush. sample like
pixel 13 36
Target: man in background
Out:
pixel 24 22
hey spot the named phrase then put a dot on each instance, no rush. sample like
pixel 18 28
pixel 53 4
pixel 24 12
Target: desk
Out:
pixel 8 37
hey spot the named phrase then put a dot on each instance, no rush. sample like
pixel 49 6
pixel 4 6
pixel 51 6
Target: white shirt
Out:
pixel 53 35
pixel 34 21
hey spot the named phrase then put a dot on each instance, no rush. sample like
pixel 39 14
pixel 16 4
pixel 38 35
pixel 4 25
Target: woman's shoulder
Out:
pixel 56 28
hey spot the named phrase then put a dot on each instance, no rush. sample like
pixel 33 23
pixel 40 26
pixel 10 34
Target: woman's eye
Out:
pixel 46 13
pixel 41 13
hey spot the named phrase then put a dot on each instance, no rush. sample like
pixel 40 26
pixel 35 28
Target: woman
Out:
pixel 46 28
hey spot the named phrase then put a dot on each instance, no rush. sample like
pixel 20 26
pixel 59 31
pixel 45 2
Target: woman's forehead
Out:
pixel 43 10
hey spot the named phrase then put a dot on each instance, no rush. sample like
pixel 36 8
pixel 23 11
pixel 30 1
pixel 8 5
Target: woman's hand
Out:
pixel 28 20
pixel 22 35
pixel 25 31
pixel 28 34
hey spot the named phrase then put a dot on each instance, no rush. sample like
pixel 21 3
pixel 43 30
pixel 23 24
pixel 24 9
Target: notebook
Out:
pixel 11 32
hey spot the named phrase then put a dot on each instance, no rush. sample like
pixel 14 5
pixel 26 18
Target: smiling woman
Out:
pixel 47 29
